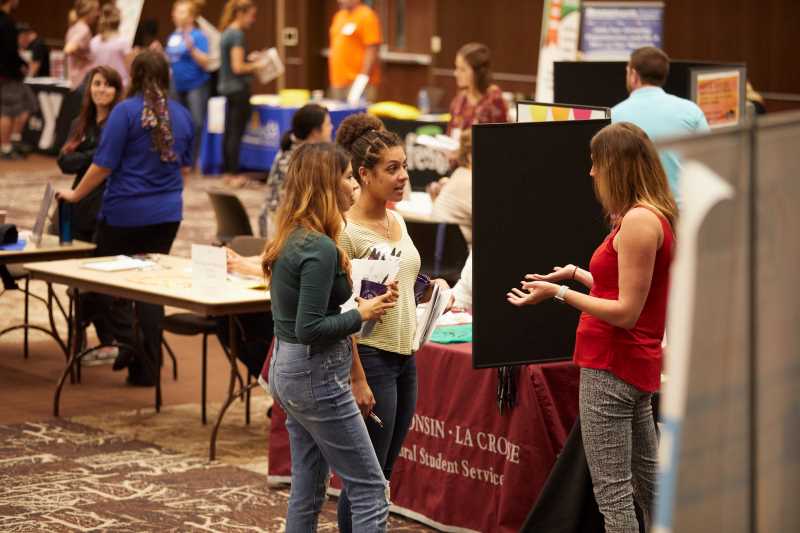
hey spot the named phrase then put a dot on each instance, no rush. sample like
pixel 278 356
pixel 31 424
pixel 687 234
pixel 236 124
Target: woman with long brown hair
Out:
pixel 478 101
pixel 103 93
pixel 235 76
pixel 144 153
pixel 310 371
pixel 618 341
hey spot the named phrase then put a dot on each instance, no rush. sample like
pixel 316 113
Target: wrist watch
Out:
pixel 560 294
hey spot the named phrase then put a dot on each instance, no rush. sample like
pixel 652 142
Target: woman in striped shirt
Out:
pixel 387 354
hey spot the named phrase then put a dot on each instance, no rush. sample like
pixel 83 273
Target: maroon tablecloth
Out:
pixel 464 465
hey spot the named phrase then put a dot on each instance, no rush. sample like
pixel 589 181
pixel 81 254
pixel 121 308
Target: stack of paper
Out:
pixel 430 313
pixel 118 264
pixel 370 277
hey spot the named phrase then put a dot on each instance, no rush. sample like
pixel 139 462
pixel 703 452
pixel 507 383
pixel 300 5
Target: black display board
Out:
pixel 602 83
pixel 534 207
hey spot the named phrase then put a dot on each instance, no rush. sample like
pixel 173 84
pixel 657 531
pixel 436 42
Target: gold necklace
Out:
pixel 385 230
pixel 387 226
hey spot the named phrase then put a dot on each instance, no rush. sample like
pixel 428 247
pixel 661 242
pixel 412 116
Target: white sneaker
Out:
pixel 104 355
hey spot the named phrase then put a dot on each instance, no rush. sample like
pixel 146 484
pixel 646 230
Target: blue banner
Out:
pixel 612 30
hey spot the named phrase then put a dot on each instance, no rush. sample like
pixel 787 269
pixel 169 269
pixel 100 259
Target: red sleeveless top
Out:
pixel 633 355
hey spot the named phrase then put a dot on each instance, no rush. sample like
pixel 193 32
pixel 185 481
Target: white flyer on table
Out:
pixel 209 267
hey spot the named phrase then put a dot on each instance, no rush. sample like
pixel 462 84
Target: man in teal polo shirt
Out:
pixel 659 114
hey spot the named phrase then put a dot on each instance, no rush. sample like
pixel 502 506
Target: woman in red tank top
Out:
pixel 618 341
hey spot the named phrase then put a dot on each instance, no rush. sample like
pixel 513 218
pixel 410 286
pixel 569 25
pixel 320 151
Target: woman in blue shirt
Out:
pixel 187 50
pixel 145 153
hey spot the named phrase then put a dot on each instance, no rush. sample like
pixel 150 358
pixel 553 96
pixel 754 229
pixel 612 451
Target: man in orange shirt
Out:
pixel 355 36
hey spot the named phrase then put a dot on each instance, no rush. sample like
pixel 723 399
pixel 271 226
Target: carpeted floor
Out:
pixel 118 465
pixel 65 476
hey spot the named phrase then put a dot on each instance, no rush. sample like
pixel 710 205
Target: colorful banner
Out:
pixel 537 112
pixel 463 465
pixel 612 30
pixel 559 42
pixel 720 94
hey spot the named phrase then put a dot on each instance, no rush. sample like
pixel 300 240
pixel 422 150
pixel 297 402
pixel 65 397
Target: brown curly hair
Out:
pixel 365 138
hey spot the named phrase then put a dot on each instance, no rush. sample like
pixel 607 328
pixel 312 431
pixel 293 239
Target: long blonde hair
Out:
pixel 232 9
pixel 311 200
pixel 195 6
pixel 84 7
pixel 630 172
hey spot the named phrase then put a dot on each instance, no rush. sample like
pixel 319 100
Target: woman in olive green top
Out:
pixel 310 371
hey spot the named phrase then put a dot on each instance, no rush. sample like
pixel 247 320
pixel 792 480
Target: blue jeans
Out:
pixel 196 101
pixel 393 380
pixel 325 427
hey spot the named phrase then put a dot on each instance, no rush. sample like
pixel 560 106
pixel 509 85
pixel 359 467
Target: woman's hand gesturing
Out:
pixel 534 292
pixel 559 273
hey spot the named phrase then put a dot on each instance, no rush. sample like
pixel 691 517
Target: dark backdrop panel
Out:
pixel 534 207
pixel 602 83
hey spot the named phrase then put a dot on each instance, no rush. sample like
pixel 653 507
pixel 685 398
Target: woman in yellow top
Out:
pixel 387 354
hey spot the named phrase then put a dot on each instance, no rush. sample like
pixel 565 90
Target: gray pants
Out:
pixel 619 437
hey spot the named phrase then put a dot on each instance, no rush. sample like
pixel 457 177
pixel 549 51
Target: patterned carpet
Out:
pixel 120 471
pixel 64 476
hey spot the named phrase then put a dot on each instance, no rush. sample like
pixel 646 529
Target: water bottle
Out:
pixel 64 222
pixel 423 102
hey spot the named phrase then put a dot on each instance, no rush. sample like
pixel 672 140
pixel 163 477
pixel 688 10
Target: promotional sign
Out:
pixel 559 42
pixel 720 94
pixel 612 30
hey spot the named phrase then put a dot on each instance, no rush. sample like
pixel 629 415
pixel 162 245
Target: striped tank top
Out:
pixel 395 332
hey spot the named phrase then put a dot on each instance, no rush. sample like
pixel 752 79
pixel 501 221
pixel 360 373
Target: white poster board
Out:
pixel 130 12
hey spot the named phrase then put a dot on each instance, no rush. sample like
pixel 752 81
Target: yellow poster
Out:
pixel 719 96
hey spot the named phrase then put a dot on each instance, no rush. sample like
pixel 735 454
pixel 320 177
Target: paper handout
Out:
pixel 119 263
pixel 370 276
pixel 209 267
pixel 428 314
pixel 270 65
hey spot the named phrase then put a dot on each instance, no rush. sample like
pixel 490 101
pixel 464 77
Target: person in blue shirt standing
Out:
pixel 145 154
pixel 187 50
pixel 659 114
